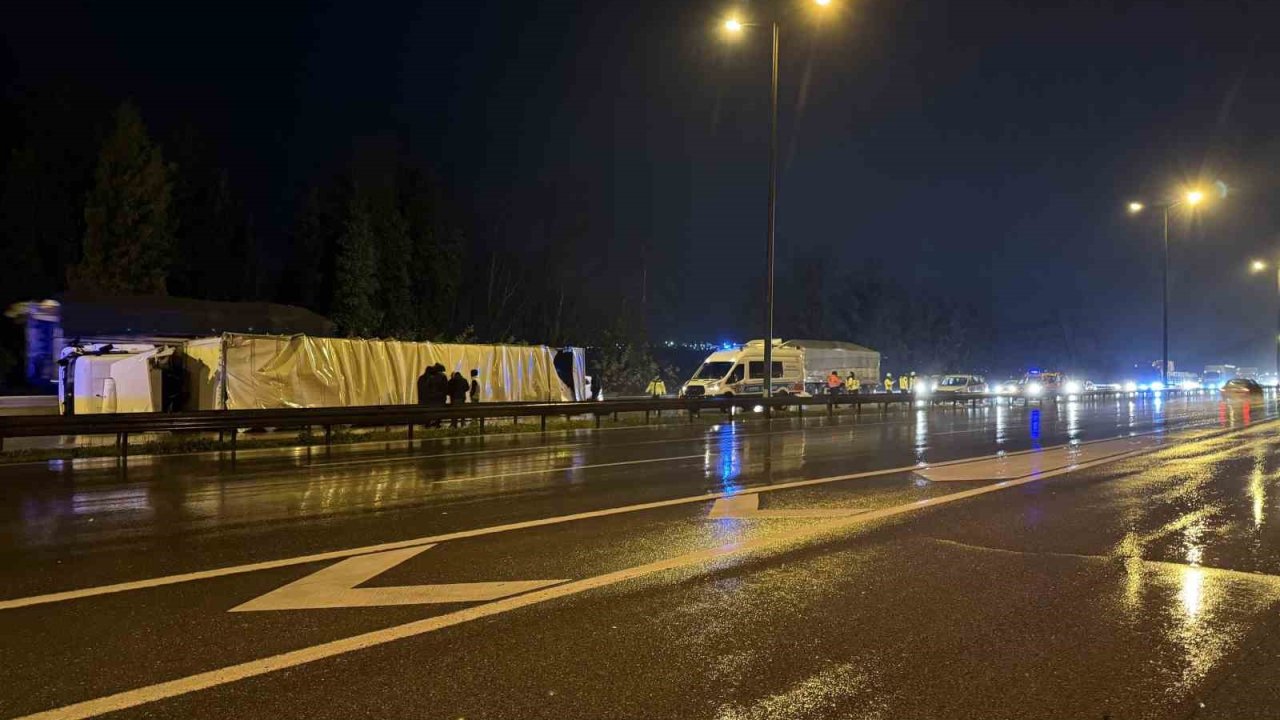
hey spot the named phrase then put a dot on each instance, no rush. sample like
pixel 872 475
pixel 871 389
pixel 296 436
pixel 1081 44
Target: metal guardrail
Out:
pixel 222 421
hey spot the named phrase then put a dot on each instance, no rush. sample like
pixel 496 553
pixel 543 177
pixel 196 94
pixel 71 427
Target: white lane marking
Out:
pixel 463 534
pixel 1009 467
pixel 335 587
pixel 747 507
pixel 459 535
pixel 829 529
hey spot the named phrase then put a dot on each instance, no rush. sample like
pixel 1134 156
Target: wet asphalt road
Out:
pixel 1140 585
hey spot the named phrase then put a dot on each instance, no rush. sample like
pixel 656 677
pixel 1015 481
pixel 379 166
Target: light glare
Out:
pixel 1257 266
pixel 733 25
pixel 1194 197
pixel 1136 207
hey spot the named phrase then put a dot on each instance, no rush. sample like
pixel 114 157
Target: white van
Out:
pixel 728 373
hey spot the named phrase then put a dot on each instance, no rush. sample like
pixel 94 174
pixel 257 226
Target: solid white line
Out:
pixel 253 668
pixel 492 530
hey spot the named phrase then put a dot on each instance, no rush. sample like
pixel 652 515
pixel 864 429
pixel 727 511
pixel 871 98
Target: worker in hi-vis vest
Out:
pixel 888 382
pixel 656 388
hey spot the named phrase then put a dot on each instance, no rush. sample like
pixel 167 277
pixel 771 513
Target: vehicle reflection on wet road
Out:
pixel 1131 578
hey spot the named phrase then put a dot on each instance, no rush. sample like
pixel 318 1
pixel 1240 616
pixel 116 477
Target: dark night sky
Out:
pixel 981 149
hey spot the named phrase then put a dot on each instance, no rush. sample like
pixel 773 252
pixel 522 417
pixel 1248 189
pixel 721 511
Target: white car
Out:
pixel 951 384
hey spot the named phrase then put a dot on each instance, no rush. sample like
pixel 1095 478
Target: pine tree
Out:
pixel 128 232
pixel 435 252
pixel 355 292
pixel 395 285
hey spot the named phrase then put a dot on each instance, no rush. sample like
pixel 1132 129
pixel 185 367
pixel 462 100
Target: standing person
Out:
pixel 851 383
pixel 904 383
pixel 475 385
pixel 458 389
pixel 657 388
pixel 424 382
pixel 888 382
pixel 834 383
pixel 437 389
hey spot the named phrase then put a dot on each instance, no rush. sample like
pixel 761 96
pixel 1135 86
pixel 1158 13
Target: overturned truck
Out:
pixel 239 372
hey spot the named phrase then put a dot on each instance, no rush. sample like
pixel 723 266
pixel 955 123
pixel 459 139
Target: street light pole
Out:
pixel 734 25
pixel 1277 337
pixel 773 201
pixel 1191 199
pixel 1164 358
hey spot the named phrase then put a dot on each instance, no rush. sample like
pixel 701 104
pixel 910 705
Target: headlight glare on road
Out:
pixel 1034 389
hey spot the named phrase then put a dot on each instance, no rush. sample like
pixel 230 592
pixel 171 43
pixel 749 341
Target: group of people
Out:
pixel 906 383
pixel 837 386
pixel 437 388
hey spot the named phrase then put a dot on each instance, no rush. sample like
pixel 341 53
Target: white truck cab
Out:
pixel 733 372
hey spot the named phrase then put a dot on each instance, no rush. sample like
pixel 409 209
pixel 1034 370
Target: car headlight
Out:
pixel 1072 388
pixel 713 388
pixel 1131 387
pixel 1034 388
pixel 1157 386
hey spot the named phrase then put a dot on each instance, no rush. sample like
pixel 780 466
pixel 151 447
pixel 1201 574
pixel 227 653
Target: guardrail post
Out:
pixel 234 435
pixel 598 421
pixel 410 432
pixel 123 439
pixel 544 422
pixel 328 435
pixel 831 407
pixel 482 424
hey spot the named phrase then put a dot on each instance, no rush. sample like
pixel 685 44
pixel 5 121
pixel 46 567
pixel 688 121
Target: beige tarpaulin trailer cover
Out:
pixel 302 371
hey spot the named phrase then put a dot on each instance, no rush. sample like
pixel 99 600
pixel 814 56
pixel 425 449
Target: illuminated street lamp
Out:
pixel 1191 198
pixel 735 26
pixel 1258 266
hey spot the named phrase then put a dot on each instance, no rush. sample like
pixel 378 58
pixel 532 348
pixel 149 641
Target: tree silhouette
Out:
pixel 128 231
pixel 355 291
